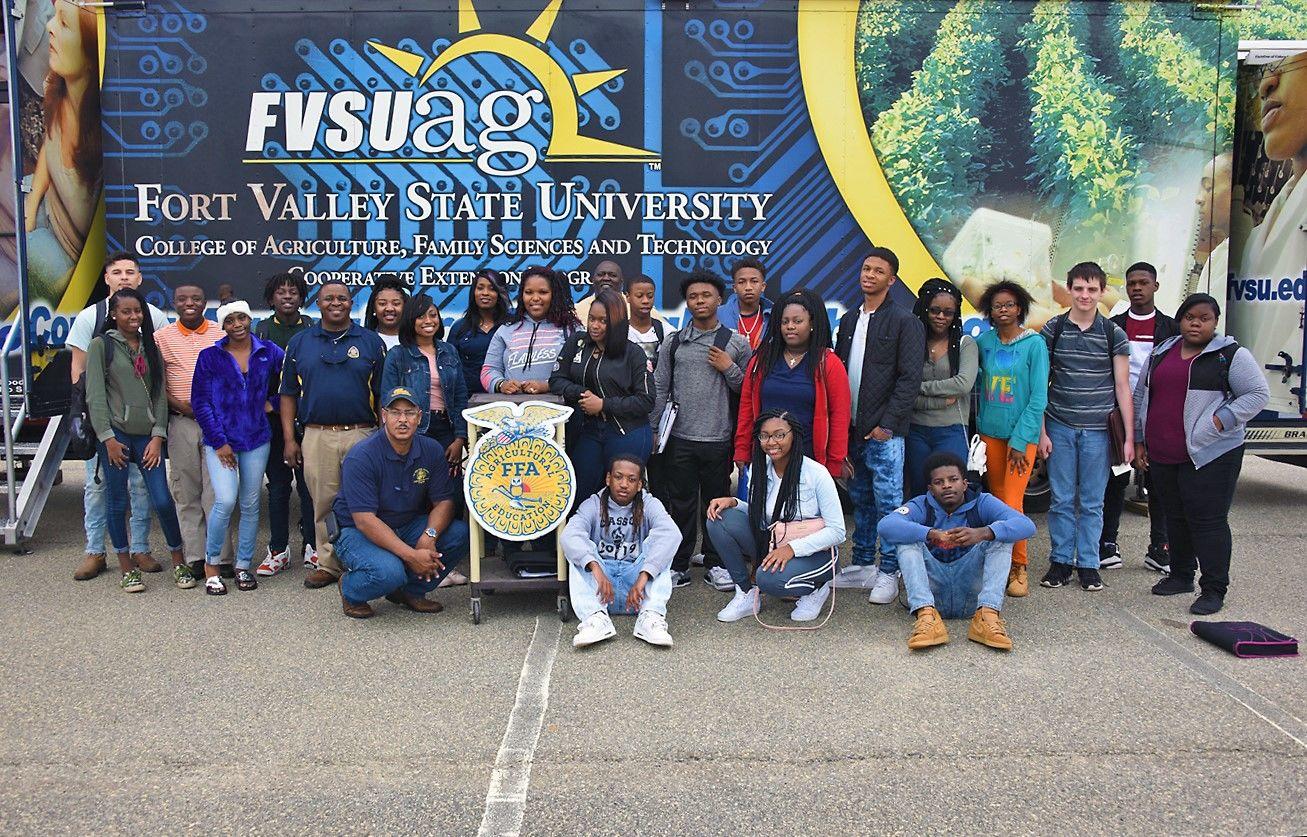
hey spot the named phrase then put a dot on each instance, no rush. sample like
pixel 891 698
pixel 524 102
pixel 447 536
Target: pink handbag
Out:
pixel 782 532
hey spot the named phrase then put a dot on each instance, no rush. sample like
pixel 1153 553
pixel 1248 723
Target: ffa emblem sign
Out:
pixel 353 352
pixel 519 482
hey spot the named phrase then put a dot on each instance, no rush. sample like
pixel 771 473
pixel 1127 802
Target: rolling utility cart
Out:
pixel 491 574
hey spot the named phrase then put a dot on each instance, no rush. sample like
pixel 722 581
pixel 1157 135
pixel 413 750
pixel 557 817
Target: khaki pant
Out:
pixel 324 451
pixel 188 479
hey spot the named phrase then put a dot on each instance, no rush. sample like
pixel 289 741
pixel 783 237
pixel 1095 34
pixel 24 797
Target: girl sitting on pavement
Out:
pixel 620 544
pixel 791 527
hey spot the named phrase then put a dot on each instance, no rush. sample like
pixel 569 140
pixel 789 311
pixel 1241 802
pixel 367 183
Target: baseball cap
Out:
pixel 398 394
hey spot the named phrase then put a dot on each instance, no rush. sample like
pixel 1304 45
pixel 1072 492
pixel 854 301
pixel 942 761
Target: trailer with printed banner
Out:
pixel 226 141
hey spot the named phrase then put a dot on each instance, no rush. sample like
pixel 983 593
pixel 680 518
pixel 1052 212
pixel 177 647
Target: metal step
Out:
pixel 23 450
pixel 22 512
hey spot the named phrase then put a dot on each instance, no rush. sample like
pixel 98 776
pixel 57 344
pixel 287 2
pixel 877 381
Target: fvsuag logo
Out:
pixel 483 128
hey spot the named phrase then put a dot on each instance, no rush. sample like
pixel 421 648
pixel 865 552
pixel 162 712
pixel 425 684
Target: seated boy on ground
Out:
pixel 620 544
pixel 955 549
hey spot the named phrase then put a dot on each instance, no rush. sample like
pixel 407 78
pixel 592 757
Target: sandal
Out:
pixel 214 586
pixel 245 580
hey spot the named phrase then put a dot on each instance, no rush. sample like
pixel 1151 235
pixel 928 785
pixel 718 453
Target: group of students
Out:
pixel 745 384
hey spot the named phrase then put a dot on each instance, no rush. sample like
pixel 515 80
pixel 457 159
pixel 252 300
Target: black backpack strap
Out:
pixel 1226 354
pixel 671 368
pixel 659 330
pixel 722 338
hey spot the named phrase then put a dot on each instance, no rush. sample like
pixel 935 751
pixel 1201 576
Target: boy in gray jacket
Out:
pixel 620 544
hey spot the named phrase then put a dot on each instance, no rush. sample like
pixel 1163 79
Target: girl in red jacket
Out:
pixel 795 371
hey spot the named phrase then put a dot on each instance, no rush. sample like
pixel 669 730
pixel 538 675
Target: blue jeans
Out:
pixel 93 509
pixel 735 542
pixel 923 441
pixel 623 575
pixel 156 487
pixel 373 572
pixel 876 490
pixel 1077 473
pixel 958 588
pixel 230 486
pixel 597 442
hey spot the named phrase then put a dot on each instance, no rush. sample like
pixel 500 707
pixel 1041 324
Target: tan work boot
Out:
pixel 987 628
pixel 91 566
pixel 1018 585
pixel 145 562
pixel 928 631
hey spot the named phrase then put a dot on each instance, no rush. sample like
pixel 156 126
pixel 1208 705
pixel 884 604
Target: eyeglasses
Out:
pixel 1003 306
pixel 935 311
pixel 408 415
pixel 778 436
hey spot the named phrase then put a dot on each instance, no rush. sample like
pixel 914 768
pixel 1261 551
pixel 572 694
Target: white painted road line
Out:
pixel 506 798
pixel 1269 711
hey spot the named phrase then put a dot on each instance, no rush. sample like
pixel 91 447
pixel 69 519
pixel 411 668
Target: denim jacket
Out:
pixel 229 405
pixel 406 366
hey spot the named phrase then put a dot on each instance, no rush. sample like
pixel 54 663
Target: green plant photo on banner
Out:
pixel 1022 137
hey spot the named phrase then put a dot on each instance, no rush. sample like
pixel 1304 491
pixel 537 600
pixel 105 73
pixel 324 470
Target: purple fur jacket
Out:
pixel 230 405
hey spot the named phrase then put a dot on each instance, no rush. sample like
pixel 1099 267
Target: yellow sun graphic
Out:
pixel 561 89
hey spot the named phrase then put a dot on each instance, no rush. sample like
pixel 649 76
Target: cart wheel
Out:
pixel 564 609
pixel 476 611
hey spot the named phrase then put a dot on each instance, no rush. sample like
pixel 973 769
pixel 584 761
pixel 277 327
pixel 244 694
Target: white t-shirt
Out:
pixel 648 341
pixel 391 340
pixel 83 329
pixel 857 349
pixel 1140 333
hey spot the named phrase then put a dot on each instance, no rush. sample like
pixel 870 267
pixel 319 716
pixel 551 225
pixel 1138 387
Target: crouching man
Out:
pixel 620 544
pixel 955 549
pixel 395 511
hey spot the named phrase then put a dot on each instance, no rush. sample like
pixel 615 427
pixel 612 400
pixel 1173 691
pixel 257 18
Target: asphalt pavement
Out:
pixel 270 712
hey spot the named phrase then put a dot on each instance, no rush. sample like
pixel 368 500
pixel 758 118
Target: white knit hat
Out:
pixel 239 306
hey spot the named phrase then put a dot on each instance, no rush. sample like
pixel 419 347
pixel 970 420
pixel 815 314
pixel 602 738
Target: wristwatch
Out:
pixel 431 533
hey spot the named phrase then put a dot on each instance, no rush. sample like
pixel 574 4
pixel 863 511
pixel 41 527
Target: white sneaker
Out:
pixel 696 560
pixel 809 607
pixel 718 578
pixel 274 564
pixel 310 558
pixel 885 590
pixel 857 575
pixel 596 628
pixel 652 628
pixel 741 605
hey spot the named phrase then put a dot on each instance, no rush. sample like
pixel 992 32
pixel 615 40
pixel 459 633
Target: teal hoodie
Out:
pixel 1013 387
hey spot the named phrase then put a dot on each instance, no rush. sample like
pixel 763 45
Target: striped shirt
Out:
pixel 180 348
pixel 1081 386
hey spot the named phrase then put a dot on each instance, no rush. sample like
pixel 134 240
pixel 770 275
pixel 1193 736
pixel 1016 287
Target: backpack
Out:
pixel 83 443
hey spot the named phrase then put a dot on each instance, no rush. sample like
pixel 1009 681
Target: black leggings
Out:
pixel 1196 502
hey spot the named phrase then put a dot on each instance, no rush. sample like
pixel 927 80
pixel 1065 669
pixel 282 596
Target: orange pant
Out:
pixel 1006 484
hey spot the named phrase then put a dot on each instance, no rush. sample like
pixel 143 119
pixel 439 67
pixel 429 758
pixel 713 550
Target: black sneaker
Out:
pixel 1089 579
pixel 1206 604
pixel 245 580
pixel 681 579
pixel 1057 576
pixel 1109 556
pixel 1158 558
pixel 1172 586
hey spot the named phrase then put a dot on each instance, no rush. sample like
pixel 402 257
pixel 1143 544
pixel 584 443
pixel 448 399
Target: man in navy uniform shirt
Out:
pixel 330 383
pixel 398 536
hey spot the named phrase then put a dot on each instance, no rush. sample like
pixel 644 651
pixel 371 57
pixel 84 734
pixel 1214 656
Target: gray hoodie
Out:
pixel 1205 398
pixel 585 540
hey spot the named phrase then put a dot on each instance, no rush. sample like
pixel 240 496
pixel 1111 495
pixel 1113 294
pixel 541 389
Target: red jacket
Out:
pixel 830 425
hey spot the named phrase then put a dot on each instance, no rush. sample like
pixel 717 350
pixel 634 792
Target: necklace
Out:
pixel 749 330
pixel 794 361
